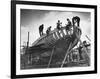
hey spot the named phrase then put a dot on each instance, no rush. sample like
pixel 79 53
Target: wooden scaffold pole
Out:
pixel 66 55
pixel 51 57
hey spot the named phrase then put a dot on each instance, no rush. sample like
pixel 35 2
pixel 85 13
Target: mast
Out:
pixel 28 41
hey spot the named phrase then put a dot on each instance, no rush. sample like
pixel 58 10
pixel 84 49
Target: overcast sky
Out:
pixel 32 19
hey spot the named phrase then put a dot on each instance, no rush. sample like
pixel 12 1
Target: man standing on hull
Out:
pixel 41 29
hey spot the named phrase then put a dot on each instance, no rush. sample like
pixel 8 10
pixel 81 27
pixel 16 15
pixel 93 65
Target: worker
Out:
pixel 68 25
pixel 80 52
pixel 75 20
pixel 41 29
pixel 48 30
pixel 59 25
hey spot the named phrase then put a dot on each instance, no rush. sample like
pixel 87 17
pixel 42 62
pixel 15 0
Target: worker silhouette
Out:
pixel 41 29
pixel 48 30
pixel 75 20
pixel 80 52
pixel 68 25
pixel 59 25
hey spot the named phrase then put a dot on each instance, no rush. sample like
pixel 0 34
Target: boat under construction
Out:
pixel 57 49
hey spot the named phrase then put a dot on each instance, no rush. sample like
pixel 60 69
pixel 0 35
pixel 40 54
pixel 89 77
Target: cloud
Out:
pixel 29 16
pixel 32 19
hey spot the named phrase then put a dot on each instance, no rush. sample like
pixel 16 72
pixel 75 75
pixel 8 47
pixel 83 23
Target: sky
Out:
pixel 31 20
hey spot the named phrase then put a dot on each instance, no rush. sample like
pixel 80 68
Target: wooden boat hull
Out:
pixel 47 43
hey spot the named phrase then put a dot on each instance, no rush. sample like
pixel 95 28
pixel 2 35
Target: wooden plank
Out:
pixel 58 33
pixel 62 32
pixel 55 35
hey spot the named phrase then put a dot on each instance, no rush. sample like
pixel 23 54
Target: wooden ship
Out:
pixel 52 50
